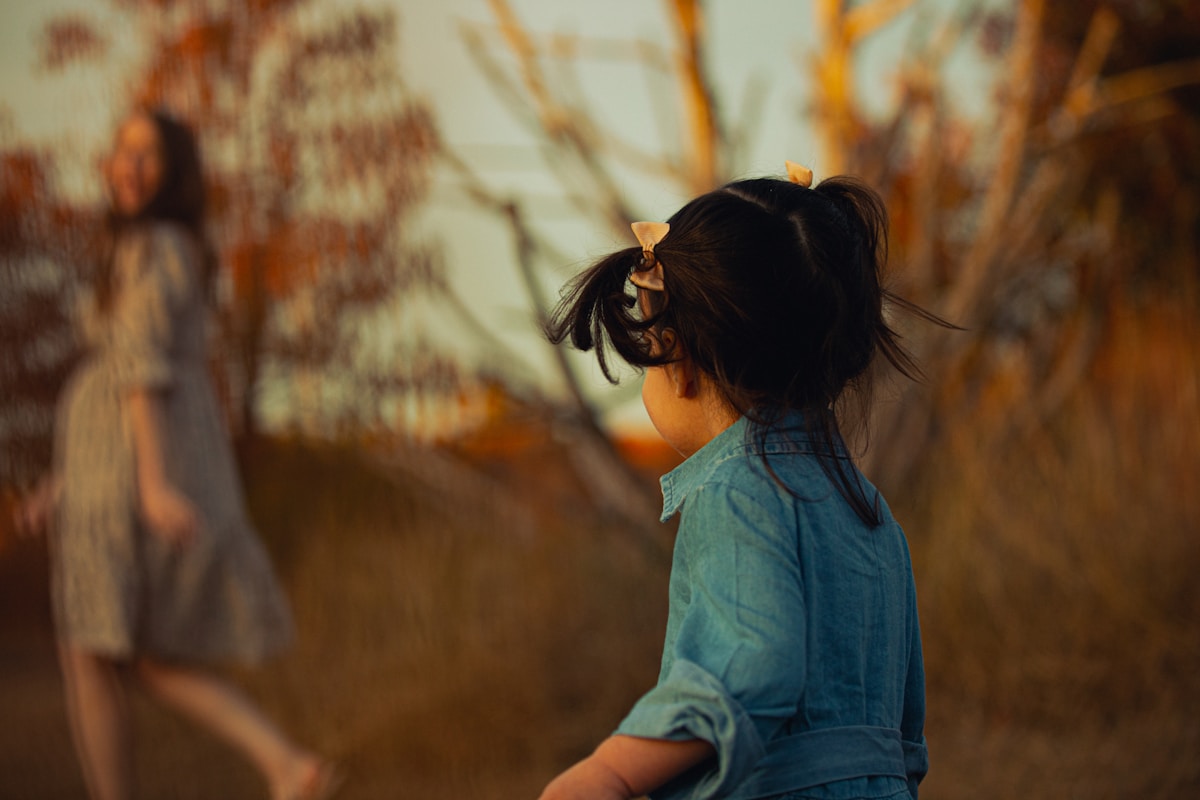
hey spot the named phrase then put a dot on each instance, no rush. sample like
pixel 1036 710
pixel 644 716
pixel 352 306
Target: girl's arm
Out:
pixel 166 512
pixel 624 767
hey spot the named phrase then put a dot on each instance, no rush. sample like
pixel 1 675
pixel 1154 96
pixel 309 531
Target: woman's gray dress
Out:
pixel 119 589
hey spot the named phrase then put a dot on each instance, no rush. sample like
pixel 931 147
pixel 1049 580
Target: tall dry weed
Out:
pixel 442 653
pixel 1056 563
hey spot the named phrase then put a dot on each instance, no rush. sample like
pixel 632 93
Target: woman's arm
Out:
pixel 624 767
pixel 166 512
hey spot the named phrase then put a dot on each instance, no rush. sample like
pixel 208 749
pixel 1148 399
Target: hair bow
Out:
pixel 649 273
pixel 799 174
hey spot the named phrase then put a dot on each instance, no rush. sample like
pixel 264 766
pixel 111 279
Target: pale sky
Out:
pixel 760 40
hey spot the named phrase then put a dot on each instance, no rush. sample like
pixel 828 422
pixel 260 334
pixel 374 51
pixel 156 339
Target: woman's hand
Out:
pixel 166 512
pixel 169 515
pixel 33 513
pixel 590 779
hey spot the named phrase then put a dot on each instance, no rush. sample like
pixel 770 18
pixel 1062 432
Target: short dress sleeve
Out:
pixel 733 671
pixel 154 279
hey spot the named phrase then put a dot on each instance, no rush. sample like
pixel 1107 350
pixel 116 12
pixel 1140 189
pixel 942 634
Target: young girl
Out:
pixel 156 570
pixel 792 663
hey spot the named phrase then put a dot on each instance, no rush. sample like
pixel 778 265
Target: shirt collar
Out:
pixel 787 436
pixel 696 468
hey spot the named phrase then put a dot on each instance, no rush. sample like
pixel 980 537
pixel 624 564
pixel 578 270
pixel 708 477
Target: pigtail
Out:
pixel 837 253
pixel 866 335
pixel 597 311
pixel 864 209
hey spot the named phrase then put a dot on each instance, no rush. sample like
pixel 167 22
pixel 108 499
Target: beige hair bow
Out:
pixel 649 274
pixel 799 174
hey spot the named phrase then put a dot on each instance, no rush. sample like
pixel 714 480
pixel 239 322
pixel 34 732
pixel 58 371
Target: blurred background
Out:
pixel 464 516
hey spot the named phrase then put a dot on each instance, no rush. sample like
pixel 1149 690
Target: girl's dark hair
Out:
pixel 774 291
pixel 180 198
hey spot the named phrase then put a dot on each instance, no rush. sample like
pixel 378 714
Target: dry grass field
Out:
pixel 446 648
pixel 469 627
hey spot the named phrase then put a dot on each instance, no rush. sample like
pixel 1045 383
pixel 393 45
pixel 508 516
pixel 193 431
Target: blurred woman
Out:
pixel 156 570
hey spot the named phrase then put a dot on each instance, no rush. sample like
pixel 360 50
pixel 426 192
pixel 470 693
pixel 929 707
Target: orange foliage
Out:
pixel 24 183
pixel 267 93
pixel 24 178
pixel 647 453
pixel 314 154
pixel 70 39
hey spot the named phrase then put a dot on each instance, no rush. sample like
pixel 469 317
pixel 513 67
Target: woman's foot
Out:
pixel 309 777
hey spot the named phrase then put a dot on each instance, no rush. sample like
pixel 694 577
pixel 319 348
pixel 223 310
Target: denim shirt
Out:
pixel 792 642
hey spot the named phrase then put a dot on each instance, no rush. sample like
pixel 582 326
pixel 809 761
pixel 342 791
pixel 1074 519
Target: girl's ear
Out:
pixel 667 342
pixel 686 378
pixel 682 370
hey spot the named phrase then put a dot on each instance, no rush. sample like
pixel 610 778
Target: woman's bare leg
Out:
pixel 225 710
pixel 99 714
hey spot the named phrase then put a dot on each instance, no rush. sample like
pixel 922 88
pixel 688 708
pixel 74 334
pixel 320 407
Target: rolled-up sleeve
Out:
pixel 690 703
pixel 153 280
pixel 735 651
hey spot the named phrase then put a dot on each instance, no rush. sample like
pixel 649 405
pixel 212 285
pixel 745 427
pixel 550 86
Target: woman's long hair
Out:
pixel 180 198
